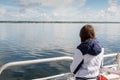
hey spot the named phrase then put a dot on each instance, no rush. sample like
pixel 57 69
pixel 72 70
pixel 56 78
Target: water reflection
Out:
pixel 29 39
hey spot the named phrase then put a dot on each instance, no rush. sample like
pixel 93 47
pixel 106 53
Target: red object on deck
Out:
pixel 101 77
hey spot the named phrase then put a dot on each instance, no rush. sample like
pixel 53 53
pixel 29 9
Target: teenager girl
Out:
pixel 88 55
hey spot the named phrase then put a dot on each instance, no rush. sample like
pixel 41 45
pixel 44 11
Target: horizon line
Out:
pixel 59 22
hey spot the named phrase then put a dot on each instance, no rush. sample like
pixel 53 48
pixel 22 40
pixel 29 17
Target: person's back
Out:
pixel 88 56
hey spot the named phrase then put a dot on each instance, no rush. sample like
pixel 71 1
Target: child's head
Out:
pixel 87 32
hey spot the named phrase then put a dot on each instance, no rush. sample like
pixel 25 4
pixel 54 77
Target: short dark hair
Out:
pixel 87 32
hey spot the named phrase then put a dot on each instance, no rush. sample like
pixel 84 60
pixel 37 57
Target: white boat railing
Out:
pixel 112 72
pixel 111 55
pixel 20 63
pixel 117 56
pixel 54 76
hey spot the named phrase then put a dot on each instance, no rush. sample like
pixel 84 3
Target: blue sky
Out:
pixel 97 4
pixel 60 10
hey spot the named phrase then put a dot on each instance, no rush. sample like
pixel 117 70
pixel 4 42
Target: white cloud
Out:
pixel 59 10
pixel 36 3
pixel 2 10
pixel 113 6
pixel 113 11
pixel 26 3
pixel 66 9
pixel 28 14
pixel 56 3
pixel 113 2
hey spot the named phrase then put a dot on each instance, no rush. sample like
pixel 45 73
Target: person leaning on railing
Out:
pixel 88 55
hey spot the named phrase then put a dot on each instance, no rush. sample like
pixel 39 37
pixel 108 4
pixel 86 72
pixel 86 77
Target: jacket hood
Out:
pixel 91 47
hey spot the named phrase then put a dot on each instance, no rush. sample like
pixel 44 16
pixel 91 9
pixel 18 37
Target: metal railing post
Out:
pixel 118 61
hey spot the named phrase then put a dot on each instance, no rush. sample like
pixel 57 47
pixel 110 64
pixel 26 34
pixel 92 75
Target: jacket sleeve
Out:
pixel 77 59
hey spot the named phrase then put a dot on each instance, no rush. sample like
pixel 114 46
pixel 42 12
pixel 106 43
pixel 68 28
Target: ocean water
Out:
pixel 28 41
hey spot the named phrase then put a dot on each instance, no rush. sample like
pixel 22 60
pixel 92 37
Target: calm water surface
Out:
pixel 20 42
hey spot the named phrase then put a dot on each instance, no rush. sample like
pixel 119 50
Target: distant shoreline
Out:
pixel 59 22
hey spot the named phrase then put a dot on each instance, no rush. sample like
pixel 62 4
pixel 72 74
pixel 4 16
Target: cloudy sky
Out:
pixel 60 10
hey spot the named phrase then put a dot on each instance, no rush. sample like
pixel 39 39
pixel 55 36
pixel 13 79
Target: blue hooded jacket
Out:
pixel 91 47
